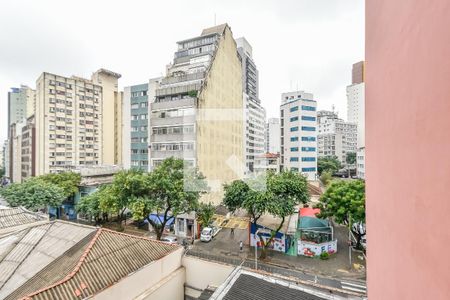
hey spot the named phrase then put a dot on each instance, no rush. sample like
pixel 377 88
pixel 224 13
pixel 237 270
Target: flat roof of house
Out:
pixel 248 285
pixel 61 260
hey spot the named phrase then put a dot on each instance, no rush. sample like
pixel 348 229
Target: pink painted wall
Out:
pixel 408 148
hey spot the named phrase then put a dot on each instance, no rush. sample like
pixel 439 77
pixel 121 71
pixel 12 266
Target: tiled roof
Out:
pixel 10 217
pixel 26 252
pixel 108 257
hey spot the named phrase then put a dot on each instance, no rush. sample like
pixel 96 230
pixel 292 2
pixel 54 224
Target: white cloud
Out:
pixel 309 43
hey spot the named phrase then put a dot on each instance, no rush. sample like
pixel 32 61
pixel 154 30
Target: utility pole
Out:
pixel 349 240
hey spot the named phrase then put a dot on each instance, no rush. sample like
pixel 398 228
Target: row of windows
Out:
pixel 139 140
pixel 137 117
pixel 138 128
pixel 139 151
pixel 171 113
pixel 303 159
pixel 304 107
pixel 311 169
pixel 304 139
pixel 304 118
pixel 139 94
pixel 304 149
pixel 174 130
pixel 139 105
pixel 304 128
pixel 172 146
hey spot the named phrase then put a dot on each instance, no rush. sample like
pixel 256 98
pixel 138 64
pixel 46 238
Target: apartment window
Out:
pixel 294 159
pixel 134 117
pixel 294 108
pixel 294 149
pixel 308 118
pixel 144 116
pixel 134 129
pixel 293 169
pixel 135 140
pixel 144 104
pixel 308 149
pixel 143 140
pixel 134 151
pixel 294 128
pixel 308 139
pixel 308 108
pixel 308 128
pixel 134 105
pixel 293 119
pixel 308 159
pixel 311 169
pixel 144 128
pixel 294 139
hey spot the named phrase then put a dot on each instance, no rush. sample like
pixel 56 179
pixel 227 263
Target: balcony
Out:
pixel 182 78
pixel 181 89
pixel 181 102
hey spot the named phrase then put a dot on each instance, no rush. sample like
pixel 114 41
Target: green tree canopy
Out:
pixel 205 213
pixel 350 158
pixel 170 189
pixel 68 181
pixel 33 194
pixel 90 205
pixel 328 164
pixel 344 199
pixel 276 194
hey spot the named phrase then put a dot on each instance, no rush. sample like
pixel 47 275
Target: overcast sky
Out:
pixel 309 44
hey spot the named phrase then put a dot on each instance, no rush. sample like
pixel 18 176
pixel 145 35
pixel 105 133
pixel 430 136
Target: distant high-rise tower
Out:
pixel 356 112
pixel 299 133
pixel 273 135
pixel 255 114
pixel 20 104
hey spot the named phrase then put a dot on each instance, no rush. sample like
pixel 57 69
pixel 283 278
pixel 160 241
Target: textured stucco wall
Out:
pixel 220 119
pixel 407 148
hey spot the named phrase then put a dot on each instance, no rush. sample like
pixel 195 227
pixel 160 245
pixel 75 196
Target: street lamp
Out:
pixel 256 250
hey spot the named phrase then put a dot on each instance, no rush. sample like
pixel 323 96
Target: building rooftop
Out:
pixel 17 216
pixel 62 260
pixel 249 285
pixel 219 29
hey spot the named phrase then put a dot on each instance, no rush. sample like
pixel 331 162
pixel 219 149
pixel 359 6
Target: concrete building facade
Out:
pixel 356 110
pixel 254 113
pixel 20 104
pixel 273 135
pixel 197 112
pixel 298 127
pixel 69 121
pixel 335 136
pixel 28 153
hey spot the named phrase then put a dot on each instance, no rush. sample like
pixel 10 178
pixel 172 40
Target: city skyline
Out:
pixel 128 46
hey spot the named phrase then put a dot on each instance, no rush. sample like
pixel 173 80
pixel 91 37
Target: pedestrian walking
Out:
pixel 241 246
pixel 232 231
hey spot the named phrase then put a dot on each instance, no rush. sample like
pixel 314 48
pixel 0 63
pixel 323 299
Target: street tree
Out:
pixel 350 159
pixel 328 164
pixel 235 194
pixel 205 213
pixel 33 194
pixel 345 202
pixel 68 181
pixel 276 194
pixel 90 205
pixel 171 189
pixel 127 186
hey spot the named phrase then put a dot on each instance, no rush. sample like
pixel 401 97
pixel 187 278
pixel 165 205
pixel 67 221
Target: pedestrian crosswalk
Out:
pixel 357 287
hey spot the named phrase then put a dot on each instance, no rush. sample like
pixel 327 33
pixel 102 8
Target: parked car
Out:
pixel 170 239
pixel 207 234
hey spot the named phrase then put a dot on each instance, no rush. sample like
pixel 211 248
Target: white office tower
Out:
pixel 298 125
pixel 356 111
pixel 335 136
pixel 273 135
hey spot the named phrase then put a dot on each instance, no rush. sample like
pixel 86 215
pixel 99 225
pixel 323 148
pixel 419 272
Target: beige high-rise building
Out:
pixel 112 116
pixel 75 118
pixel 197 113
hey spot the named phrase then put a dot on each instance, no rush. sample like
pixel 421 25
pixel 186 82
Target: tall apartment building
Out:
pixel 298 129
pixel 197 111
pixel 335 136
pixel 28 152
pixel 273 135
pixel 136 124
pixel 254 113
pixel 70 121
pixel 20 104
pixel 356 108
